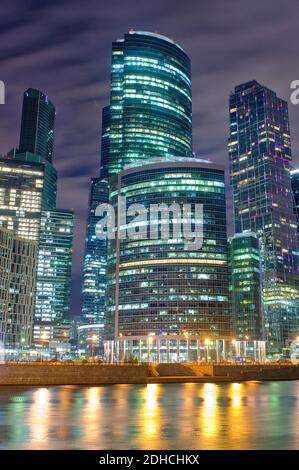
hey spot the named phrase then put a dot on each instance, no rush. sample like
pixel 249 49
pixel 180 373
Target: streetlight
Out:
pixel 93 340
pixel 207 342
pixel 43 338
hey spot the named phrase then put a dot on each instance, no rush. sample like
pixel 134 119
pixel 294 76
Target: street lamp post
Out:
pixel 207 342
pixel 93 340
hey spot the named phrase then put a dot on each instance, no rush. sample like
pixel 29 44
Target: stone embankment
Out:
pixel 97 374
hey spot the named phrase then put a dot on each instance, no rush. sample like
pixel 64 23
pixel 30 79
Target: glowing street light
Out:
pixel 207 342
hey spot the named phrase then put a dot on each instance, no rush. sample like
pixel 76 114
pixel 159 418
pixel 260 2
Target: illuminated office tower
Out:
pixel 21 194
pixel 37 125
pixel 53 275
pixel 17 286
pixel 163 286
pixel 295 189
pixel 246 286
pixel 94 270
pixel 95 258
pixel 260 164
pixel 150 102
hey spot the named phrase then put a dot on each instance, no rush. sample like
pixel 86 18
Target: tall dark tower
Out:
pixel 260 164
pixel 37 125
pixel 95 258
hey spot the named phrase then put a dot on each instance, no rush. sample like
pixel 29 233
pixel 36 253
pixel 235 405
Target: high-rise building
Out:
pixel 150 103
pixel 94 270
pixel 260 164
pixel 28 191
pixel 21 194
pixel 162 286
pixel 158 286
pixel 95 259
pixel 17 287
pixel 246 286
pixel 37 125
pixel 295 189
pixel 54 267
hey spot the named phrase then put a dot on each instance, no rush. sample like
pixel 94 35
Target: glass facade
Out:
pixel 37 125
pixel 295 189
pixel 161 285
pixel 150 103
pixel 260 164
pixel 246 286
pixel 21 193
pixel 95 260
pixel 17 287
pixel 53 270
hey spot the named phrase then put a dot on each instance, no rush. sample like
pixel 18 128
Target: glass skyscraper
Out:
pixel 95 258
pixel 54 268
pixel 21 194
pixel 260 164
pixel 246 286
pixel 150 103
pixel 37 125
pixel 161 286
pixel 295 189
pixel 17 287
pixel 94 269
pixel 28 188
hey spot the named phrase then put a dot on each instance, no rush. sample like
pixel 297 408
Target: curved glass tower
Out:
pixel 163 285
pixel 150 105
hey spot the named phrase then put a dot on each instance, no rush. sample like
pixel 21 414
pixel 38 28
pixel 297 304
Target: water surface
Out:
pixel 252 415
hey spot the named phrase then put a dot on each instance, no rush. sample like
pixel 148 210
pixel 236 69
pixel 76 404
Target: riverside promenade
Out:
pixel 48 373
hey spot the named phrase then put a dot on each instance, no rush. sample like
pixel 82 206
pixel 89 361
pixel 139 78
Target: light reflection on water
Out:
pixel 250 415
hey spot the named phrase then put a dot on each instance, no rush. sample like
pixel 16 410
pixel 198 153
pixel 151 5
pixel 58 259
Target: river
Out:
pixel 252 415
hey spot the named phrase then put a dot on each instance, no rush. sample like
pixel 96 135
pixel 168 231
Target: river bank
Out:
pixel 97 374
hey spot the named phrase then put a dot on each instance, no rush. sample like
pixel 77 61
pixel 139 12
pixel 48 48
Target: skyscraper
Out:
pixel 158 286
pixel 295 189
pixel 21 194
pixel 260 164
pixel 54 267
pixel 95 258
pixel 161 285
pixel 246 286
pixel 17 288
pixel 28 191
pixel 94 269
pixel 37 125
pixel 150 102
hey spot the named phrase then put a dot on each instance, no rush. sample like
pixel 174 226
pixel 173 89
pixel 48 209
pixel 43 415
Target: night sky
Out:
pixel 63 47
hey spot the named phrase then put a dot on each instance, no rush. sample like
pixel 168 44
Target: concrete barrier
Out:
pixel 69 374
pixel 95 374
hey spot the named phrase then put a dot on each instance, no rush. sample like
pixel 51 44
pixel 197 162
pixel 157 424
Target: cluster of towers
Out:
pixel 155 298
pixel 145 292
pixel 36 237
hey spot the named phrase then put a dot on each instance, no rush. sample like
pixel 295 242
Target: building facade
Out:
pixel 246 286
pixel 17 287
pixel 21 194
pixel 162 285
pixel 94 269
pixel 150 101
pixel 54 269
pixel 260 164
pixel 37 125
pixel 295 189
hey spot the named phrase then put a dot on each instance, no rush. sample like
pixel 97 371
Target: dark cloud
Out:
pixel 63 47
